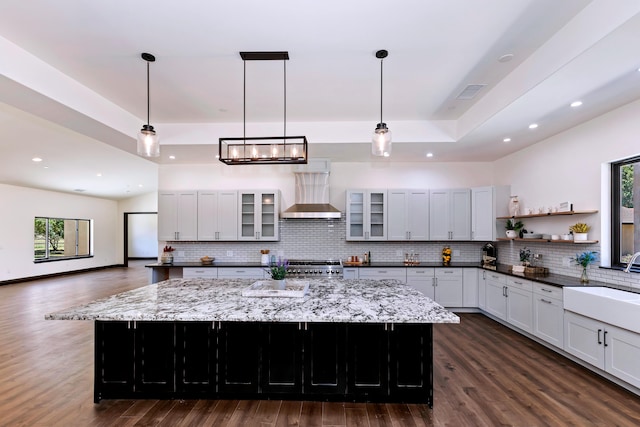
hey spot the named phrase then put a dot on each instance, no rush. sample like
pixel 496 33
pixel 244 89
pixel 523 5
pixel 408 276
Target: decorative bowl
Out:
pixel 207 260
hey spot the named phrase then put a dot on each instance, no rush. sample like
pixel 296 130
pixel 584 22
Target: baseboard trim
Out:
pixel 62 273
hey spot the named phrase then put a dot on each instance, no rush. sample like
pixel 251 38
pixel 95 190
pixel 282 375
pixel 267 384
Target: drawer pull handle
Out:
pixel 546 290
pixel 599 340
pixel 545 301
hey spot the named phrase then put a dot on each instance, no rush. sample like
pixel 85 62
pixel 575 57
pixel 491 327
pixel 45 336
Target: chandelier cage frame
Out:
pixel 269 149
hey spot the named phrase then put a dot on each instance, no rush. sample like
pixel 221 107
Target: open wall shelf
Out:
pixel 549 214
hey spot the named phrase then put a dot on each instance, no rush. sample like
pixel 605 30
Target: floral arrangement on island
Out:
pixel 168 249
pixel 279 270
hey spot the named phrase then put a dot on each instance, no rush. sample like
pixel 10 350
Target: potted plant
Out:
pixel 585 259
pixel 278 273
pixel 579 230
pixel 525 256
pixel 513 228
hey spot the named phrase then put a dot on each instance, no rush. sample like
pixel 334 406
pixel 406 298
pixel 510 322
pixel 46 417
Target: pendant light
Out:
pixel 265 149
pixel 148 144
pixel 381 145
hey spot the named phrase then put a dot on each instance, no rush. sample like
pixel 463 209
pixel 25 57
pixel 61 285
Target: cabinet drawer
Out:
pixel 525 285
pixel 548 290
pixel 205 272
pixel 240 273
pixel 496 278
pixel 416 273
pixel 448 272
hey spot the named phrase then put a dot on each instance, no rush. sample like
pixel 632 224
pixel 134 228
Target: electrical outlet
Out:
pixel 456 252
pixel 229 253
pixel 566 261
pixel 398 253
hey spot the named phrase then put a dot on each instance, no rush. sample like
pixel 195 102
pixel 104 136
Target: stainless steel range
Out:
pixel 304 268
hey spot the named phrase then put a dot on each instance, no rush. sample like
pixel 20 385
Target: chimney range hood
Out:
pixel 312 193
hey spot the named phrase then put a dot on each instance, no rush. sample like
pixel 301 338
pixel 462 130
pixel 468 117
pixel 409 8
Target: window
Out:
pixel 59 238
pixel 625 236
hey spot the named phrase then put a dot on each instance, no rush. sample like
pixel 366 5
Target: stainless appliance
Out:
pixel 304 268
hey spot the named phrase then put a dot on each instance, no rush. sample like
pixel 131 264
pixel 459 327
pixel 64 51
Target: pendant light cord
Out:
pixel 148 95
pixel 244 104
pixel 284 62
pixel 381 89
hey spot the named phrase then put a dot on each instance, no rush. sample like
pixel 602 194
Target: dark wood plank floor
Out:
pixel 485 375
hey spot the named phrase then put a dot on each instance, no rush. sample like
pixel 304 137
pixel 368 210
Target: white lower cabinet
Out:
pixel 482 288
pixel 612 349
pixel 443 285
pixel 200 273
pixel 548 314
pixel 469 287
pixel 510 299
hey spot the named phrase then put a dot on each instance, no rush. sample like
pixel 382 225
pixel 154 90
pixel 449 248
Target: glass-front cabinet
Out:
pixel 259 215
pixel 366 215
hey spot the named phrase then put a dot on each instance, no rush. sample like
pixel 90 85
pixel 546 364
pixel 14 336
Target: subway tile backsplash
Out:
pixel 325 239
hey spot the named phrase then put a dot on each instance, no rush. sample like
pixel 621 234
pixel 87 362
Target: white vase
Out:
pixel 279 284
pixel 579 236
pixel 512 234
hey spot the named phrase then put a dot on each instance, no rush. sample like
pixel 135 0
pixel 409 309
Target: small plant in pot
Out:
pixel 579 231
pixel 513 228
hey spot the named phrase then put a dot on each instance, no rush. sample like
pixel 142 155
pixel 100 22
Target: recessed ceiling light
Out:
pixel 506 140
pixel 98 174
pixel 140 185
pixel 429 154
pixel 576 103
pixel 506 57
pixel 172 157
pixel 36 159
pixel 45 167
pixel 533 125
pixel 80 190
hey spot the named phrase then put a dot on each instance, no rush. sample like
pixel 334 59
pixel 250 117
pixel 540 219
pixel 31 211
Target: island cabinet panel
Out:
pixel 195 358
pixel 114 360
pixel 154 349
pixel 367 352
pixel 281 367
pixel 325 363
pixel 410 362
pixel 238 357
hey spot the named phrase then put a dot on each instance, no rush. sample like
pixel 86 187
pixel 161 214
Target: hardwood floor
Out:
pixel 484 375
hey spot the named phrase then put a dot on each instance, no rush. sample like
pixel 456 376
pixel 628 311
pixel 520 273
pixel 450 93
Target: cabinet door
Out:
pixel 410 358
pixel 449 287
pixel 167 216
pixel 622 354
pixel 154 359
pixel 520 308
pixel 548 320
pixel 483 217
pixel 355 215
pixel 227 215
pixel 422 279
pixel 461 214
pixel 269 215
pixel 377 218
pixel 114 359
pixel 482 287
pixel 418 214
pixel 398 214
pixel 248 216
pixel 187 215
pixel 325 360
pixel 195 357
pixel 439 215
pixel 238 358
pixel 207 215
pixel 495 302
pixel 367 359
pixel 281 369
pixel 583 337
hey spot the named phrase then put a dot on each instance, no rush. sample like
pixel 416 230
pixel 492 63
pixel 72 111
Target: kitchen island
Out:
pixel 353 340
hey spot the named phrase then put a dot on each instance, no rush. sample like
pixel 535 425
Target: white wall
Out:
pixel 19 207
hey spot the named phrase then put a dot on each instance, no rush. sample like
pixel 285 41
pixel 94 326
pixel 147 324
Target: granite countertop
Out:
pixel 348 301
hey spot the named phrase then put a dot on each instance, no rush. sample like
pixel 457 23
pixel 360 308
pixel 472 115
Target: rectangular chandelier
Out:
pixel 263 150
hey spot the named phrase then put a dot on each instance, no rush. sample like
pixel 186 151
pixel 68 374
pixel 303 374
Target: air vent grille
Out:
pixel 470 91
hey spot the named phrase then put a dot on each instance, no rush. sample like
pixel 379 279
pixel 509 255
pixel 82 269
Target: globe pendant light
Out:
pixel 148 143
pixel 381 145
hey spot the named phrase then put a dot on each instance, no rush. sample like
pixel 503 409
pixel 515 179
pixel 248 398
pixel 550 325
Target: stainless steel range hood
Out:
pixel 312 193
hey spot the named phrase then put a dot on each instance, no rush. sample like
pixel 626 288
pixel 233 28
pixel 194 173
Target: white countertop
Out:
pixel 328 300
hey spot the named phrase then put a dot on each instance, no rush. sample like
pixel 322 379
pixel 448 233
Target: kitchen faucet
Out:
pixel 631 261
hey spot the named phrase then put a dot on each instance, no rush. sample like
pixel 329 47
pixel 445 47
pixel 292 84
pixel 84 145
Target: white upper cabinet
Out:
pixel 218 215
pixel 450 214
pixel 486 204
pixel 259 215
pixel 366 214
pixel 408 214
pixel 177 215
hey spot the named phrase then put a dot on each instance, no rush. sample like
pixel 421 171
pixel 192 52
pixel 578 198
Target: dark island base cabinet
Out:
pixel 312 361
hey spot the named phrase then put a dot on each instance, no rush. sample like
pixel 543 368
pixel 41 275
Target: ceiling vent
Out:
pixel 470 92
